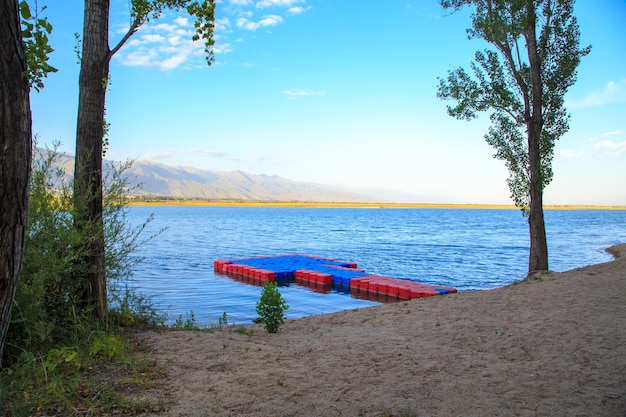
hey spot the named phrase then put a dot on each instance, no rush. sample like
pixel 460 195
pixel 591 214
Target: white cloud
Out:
pixel 270 20
pixel 246 19
pixel 613 92
pixel 608 146
pixel 302 93
pixel 182 21
pixel 200 158
pixel 207 153
pixel 138 59
pixel 167 46
pixel 606 134
pixel 222 48
pixel 152 38
pixel 165 56
pixel 166 27
pixel 568 154
pixel 173 62
pixel 222 25
pixel 298 10
pixel 120 29
pixel 176 153
pixel 261 4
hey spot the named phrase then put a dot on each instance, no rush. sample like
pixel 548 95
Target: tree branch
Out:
pixel 518 55
pixel 507 111
pixel 546 35
pixel 505 48
pixel 131 31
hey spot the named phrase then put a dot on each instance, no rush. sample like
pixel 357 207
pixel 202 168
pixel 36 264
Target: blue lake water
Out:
pixel 469 249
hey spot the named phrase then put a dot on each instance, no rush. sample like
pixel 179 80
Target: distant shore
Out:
pixel 314 204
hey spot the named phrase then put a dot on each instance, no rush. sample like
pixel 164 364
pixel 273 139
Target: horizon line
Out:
pixel 173 201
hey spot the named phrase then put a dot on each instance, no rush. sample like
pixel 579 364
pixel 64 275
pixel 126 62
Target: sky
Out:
pixel 334 92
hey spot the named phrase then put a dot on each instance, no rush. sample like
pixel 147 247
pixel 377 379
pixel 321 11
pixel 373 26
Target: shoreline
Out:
pixel 554 344
pixel 313 204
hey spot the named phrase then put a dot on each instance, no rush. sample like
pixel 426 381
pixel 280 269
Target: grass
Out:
pixel 244 331
pixel 109 375
pixel 108 378
pixel 190 323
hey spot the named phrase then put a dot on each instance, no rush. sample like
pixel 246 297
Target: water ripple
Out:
pixel 466 249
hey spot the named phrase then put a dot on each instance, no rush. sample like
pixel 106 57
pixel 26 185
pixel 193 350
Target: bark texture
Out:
pixel 15 156
pixel 94 75
pixel 538 259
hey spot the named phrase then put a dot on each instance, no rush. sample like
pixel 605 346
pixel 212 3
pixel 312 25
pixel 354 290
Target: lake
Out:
pixel 469 249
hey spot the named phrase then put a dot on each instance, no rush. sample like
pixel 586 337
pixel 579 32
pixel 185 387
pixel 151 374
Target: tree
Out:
pixel 93 79
pixel 523 84
pixel 23 62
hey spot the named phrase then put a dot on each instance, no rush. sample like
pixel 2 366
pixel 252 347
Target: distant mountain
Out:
pixel 159 180
pixel 186 182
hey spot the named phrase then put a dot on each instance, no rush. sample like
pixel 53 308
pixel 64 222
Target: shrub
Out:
pixel 53 337
pixel 271 307
pixel 121 242
pixel 47 311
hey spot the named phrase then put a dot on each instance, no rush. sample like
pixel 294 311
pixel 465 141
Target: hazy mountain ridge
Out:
pixel 160 180
pixel 186 182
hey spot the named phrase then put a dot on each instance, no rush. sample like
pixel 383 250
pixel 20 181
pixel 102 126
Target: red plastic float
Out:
pixel 322 274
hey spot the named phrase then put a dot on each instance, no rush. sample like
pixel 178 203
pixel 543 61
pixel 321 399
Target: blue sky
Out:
pixel 335 92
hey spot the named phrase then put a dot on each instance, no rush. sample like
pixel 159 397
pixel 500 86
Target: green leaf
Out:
pixel 25 10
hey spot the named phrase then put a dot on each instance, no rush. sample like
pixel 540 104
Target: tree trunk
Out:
pixel 15 157
pixel 538 259
pixel 94 73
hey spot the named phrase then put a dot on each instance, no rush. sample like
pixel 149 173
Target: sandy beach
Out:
pixel 552 346
pixel 153 202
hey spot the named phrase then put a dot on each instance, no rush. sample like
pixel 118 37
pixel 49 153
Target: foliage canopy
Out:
pixel 522 83
pixel 35 31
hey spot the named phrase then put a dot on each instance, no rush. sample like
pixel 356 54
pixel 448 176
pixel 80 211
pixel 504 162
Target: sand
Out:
pixel 155 202
pixel 554 346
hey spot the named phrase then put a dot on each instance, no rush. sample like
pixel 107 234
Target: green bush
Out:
pixel 271 307
pixel 121 242
pixel 47 311
pixel 53 338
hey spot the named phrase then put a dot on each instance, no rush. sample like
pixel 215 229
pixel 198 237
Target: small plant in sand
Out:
pixel 189 323
pixel 223 321
pixel 271 307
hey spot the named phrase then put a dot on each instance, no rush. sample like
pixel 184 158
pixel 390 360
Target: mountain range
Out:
pixel 165 181
pixel 187 182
